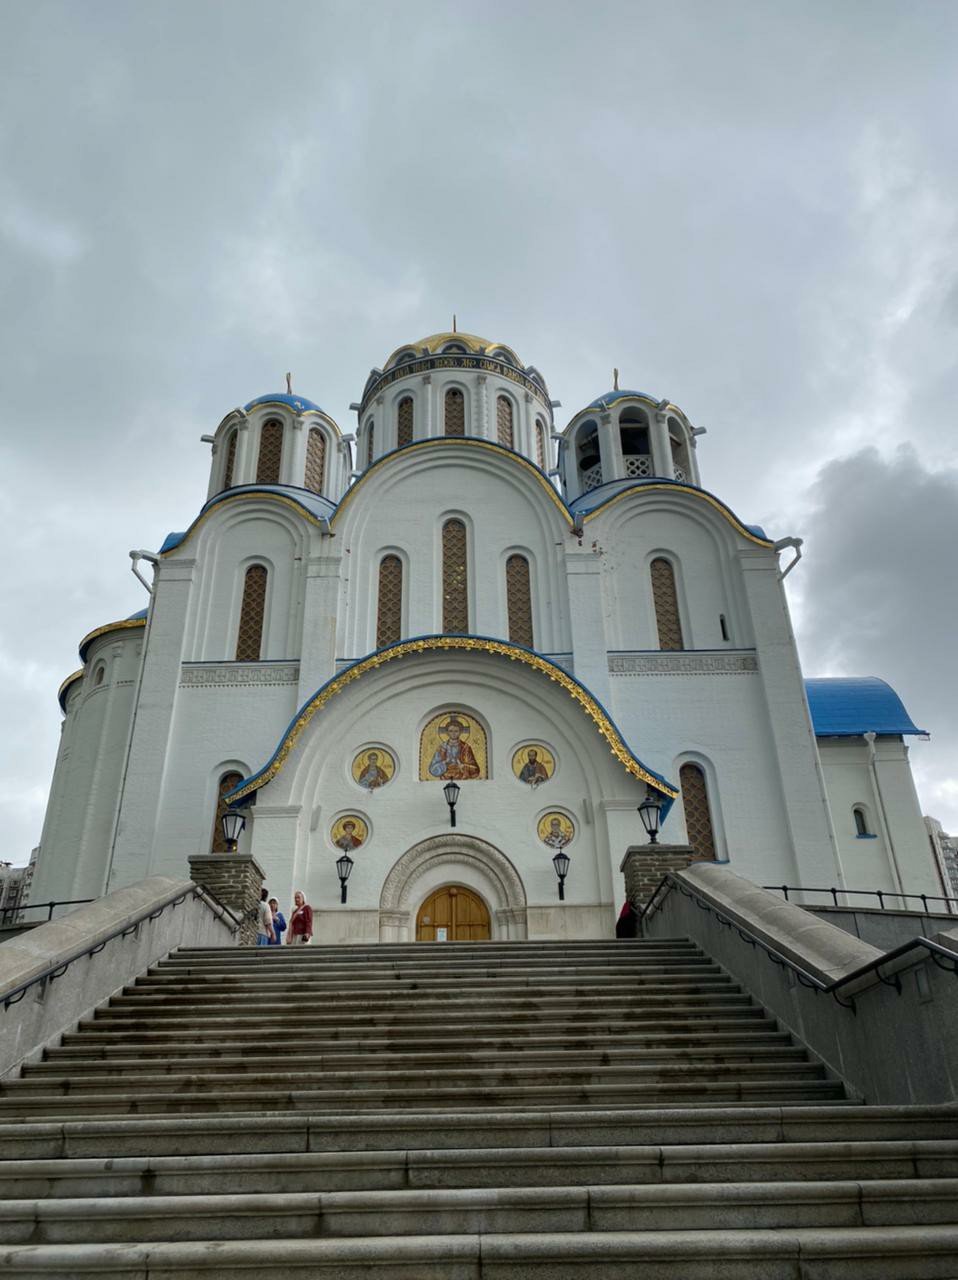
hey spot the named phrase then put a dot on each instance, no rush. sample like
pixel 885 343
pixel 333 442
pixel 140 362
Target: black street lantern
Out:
pixel 650 811
pixel 234 823
pixel 344 866
pixel 451 792
pixel 561 862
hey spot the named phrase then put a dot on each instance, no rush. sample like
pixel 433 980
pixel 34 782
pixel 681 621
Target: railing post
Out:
pixel 881 899
pixel 834 893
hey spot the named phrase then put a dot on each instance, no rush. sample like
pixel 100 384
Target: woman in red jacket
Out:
pixel 301 920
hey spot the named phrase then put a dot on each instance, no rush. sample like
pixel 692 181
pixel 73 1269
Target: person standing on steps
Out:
pixel 301 921
pixel 264 921
pixel 279 923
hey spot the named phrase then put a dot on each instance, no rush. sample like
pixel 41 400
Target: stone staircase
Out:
pixel 465 1111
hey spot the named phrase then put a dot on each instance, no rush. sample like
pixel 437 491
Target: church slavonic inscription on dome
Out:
pixel 483 363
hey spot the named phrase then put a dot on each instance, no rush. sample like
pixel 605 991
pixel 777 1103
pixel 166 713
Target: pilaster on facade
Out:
pixel 610 455
pixel 587 616
pixel 320 623
pixel 294 463
pixel 425 407
pixel 480 413
pixel 661 445
pixel 242 463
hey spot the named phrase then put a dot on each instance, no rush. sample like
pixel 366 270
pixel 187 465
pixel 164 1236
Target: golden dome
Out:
pixel 437 343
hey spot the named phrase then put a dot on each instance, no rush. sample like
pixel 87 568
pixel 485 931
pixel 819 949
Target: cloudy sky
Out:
pixel 746 207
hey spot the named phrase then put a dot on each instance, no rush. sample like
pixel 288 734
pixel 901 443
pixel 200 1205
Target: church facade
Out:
pixel 562 622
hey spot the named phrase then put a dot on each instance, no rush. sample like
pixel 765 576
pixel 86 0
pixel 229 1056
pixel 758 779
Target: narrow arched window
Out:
pixel 389 603
pixel 540 444
pixel 98 675
pixel 315 460
pixel 861 821
pixel 504 432
pixel 455 578
pixel 666 604
pixel 370 439
pixel 230 461
pixel 227 783
pixel 270 452
pixel 519 601
pixel 249 639
pixel 455 413
pixel 404 422
pixel 698 816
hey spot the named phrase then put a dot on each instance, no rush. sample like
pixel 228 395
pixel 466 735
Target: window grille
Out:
pixel 249 639
pixel 666 605
pixel 504 421
pixel 270 452
pixel 227 783
pixel 540 445
pixel 230 461
pixel 315 460
pixel 404 421
pixel 698 818
pixel 369 444
pixel 389 604
pixel 592 478
pixel 519 601
pixel 638 464
pixel 455 578
pixel 455 419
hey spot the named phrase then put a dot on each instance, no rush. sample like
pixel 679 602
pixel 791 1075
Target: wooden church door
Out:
pixel 453 914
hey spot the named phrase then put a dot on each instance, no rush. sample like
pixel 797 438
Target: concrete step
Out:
pixel 167 971
pixel 182 1100
pixel 304 1065
pixel 800 1253
pixel 415 1129
pixel 626 1166
pixel 444 1211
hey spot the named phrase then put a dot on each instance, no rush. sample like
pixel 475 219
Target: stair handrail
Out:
pixel 59 967
pixel 8 914
pixel 941 956
pixel 880 894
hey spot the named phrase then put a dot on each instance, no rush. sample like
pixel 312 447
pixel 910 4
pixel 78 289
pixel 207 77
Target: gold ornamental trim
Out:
pixel 61 692
pixel 457 442
pixel 672 487
pixel 125 625
pixel 432 644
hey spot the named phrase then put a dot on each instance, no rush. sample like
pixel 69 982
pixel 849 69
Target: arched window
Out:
pixel 504 422
pixel 519 601
pixel 666 604
pixel 861 820
pixel 587 456
pixel 455 578
pixel 249 639
pixel 370 437
pixel 98 675
pixel 540 444
pixel 455 415
pixel 315 460
pixel 404 421
pixel 227 783
pixel 698 817
pixel 230 461
pixel 634 438
pixel 389 602
pixel 270 452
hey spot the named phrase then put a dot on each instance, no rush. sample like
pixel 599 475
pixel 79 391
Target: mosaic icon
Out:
pixel 373 768
pixel 533 764
pixel 452 749
pixel 556 830
pixel 349 832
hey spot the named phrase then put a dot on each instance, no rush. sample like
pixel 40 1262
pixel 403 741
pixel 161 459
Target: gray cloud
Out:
pixel 746 208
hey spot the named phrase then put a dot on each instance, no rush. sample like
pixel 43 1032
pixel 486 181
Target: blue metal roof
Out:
pixel 318 506
pixel 299 403
pixel 847 706
pixel 595 498
pixel 140 613
pixel 610 396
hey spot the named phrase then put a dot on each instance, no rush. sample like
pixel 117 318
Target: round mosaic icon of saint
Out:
pixel 533 764
pixel 556 830
pixel 349 832
pixel 373 768
pixel 452 748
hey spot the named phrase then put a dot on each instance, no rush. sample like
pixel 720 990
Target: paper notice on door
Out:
pixel 441 934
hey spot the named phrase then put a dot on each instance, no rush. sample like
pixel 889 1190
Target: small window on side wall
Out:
pixel 860 815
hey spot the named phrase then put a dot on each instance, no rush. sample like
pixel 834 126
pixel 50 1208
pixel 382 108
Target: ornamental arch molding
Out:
pixel 453 859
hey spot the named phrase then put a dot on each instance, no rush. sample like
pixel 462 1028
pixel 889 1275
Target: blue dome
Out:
pixel 299 403
pixel 848 706
pixel 611 396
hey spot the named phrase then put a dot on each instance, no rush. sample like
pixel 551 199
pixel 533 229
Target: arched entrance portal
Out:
pixel 442 863
pixel 453 914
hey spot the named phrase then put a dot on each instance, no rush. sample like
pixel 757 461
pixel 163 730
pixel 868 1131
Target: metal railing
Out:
pixel 880 894
pixel 941 956
pixel 56 970
pixel 11 915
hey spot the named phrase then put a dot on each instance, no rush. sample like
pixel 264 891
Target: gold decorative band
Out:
pixel 124 625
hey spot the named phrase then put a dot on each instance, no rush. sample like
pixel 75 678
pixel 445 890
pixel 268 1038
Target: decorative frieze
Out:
pixel 234 675
pixel 682 664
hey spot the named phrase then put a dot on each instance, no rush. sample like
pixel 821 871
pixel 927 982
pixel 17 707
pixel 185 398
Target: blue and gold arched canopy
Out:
pixel 590 705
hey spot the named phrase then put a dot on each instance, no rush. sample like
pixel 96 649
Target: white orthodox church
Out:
pixel 562 622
